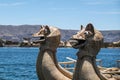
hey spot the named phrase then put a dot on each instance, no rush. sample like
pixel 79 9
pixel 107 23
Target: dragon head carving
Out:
pixel 48 36
pixel 87 39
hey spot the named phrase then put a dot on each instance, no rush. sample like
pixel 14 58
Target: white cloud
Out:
pixel 93 3
pixel 12 4
pixel 101 2
pixel 62 8
pixel 112 12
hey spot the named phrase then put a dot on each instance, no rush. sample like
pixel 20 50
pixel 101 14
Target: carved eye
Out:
pixel 86 32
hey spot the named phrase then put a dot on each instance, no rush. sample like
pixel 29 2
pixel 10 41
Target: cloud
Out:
pixel 53 8
pixel 102 2
pixel 93 3
pixel 12 4
pixel 112 12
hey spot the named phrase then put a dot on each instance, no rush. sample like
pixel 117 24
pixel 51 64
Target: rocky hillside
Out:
pixel 17 33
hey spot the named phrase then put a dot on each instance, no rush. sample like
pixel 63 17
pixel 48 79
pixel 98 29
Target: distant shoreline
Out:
pixel 16 33
pixel 38 46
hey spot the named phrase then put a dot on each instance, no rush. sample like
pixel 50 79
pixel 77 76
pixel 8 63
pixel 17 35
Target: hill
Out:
pixel 17 33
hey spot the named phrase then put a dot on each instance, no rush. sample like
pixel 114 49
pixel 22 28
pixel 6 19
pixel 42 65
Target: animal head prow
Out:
pixel 85 36
pixel 48 35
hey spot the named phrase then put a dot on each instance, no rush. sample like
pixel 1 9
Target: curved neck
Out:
pixel 39 62
pixel 48 56
pixel 62 70
pixel 86 68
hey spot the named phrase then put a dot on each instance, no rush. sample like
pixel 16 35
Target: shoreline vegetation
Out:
pixel 28 43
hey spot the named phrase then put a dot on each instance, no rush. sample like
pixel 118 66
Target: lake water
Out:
pixel 19 63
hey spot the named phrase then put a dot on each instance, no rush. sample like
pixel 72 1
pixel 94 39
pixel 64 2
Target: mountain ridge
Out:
pixel 18 32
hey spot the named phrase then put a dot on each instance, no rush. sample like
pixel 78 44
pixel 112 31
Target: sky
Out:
pixel 64 14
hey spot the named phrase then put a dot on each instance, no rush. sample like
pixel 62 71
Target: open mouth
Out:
pixel 77 43
pixel 39 39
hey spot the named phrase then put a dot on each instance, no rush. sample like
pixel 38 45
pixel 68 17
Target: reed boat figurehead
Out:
pixel 48 36
pixel 88 41
pixel 47 66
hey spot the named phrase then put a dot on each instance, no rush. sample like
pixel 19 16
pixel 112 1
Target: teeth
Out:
pixel 73 42
pixel 77 43
pixel 39 39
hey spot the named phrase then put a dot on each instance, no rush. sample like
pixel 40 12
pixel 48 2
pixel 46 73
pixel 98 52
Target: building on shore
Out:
pixel 26 43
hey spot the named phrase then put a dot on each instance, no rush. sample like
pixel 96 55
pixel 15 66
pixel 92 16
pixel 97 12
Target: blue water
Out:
pixel 19 63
